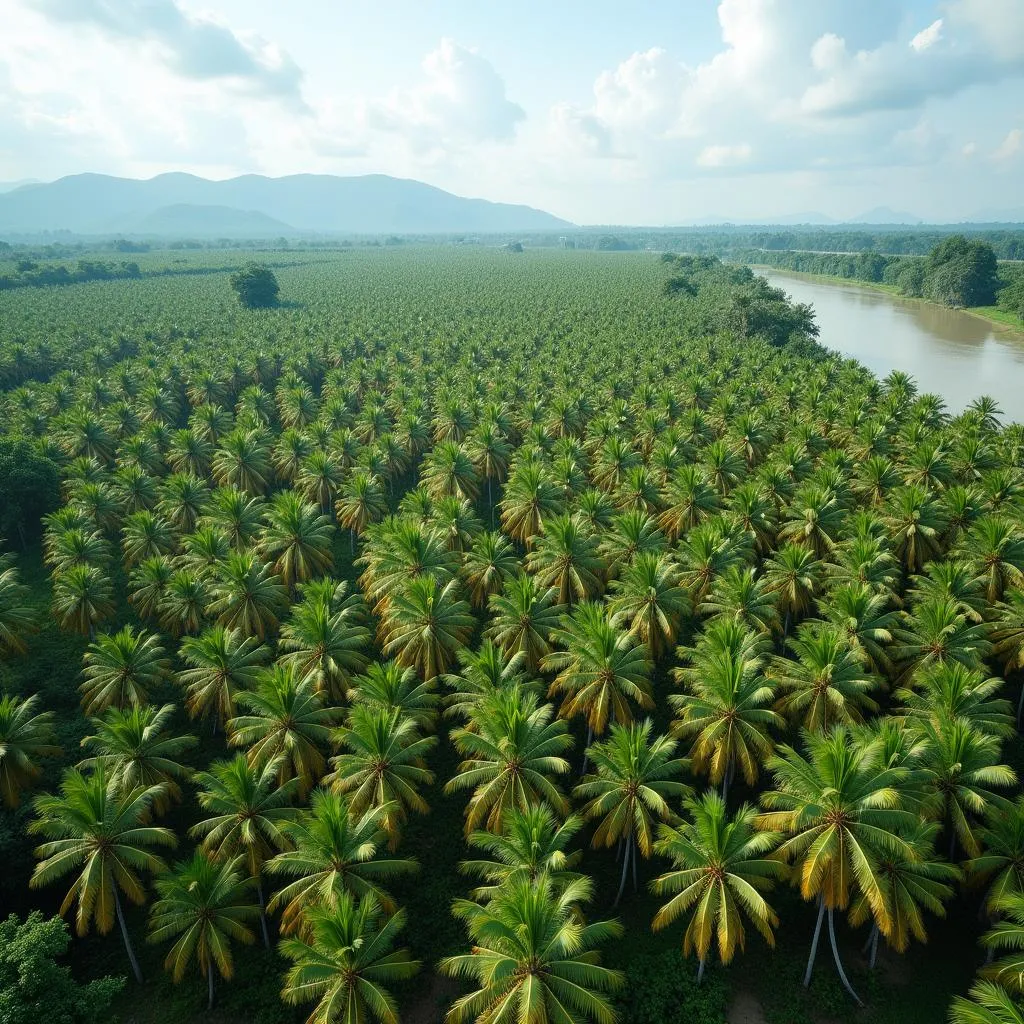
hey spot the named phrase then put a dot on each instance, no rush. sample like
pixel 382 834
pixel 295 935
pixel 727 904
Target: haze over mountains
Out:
pixel 253 206
pixel 256 206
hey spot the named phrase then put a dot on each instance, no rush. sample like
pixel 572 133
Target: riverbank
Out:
pixel 1003 321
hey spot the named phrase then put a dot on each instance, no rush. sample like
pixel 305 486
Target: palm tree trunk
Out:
pixel 625 866
pixel 136 970
pixel 634 868
pixel 700 970
pixel 1020 705
pixel 727 778
pixel 874 947
pixel 839 963
pixel 814 943
pixel 263 913
pixel 586 747
pixel 209 984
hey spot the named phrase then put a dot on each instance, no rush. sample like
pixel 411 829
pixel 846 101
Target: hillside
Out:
pixel 199 221
pixel 97 204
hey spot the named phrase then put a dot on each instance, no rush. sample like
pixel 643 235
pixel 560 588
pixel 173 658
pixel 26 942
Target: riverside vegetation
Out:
pixel 495 636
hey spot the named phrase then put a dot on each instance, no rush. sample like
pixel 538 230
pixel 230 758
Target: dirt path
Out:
pixel 432 1003
pixel 745 1009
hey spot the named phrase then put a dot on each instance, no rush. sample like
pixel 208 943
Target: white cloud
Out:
pixel 969 149
pixel 459 100
pixel 724 156
pixel 1011 146
pixel 195 47
pixel 927 36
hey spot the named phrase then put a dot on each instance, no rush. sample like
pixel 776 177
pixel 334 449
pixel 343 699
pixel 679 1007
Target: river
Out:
pixel 951 353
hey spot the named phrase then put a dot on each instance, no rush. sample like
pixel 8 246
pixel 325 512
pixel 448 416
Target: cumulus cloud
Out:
pixel 927 36
pixel 1010 147
pixel 460 99
pixel 191 46
pixel 798 85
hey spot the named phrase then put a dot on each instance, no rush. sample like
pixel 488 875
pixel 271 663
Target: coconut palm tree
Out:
pixel 721 868
pixel 1007 632
pixel 913 879
pixel 319 478
pixel 326 638
pixel 523 618
pixel 814 519
pixel 989 1004
pixel 796 576
pixel 135 748
pixel 631 534
pixel 533 957
pixel 18 617
pixel 98 832
pixel 483 673
pixel 332 852
pixel 82 598
pixel 1001 862
pixel 937 633
pixel 600 671
pixel 960 770
pixel 948 691
pixel 531 499
pixel 221 663
pixel 248 810
pixel 242 461
pixel 706 554
pixel 841 813
pixel 384 766
pixel 144 535
pixel 347 963
pixel 510 756
pixel 121 669
pixel 828 684
pixel 287 724
pixel 360 503
pixel 489 562
pixel 995 549
pixel 183 604
pixel 426 625
pixel 725 708
pixel 690 501
pixel 633 779
pixel 1007 936
pixel 297 539
pixel 204 906
pixel 448 470
pixel 236 515
pixel 565 559
pixel 247 594
pixel 399 552
pixel 915 522
pixel 389 687
pixel 650 602
pixel 490 450
pixel 532 843
pixel 742 596
pixel 25 736
pixel 862 615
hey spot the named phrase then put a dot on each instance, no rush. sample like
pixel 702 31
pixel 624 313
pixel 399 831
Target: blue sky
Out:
pixel 601 112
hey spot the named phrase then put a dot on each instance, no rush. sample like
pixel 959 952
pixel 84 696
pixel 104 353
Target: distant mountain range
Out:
pixel 253 206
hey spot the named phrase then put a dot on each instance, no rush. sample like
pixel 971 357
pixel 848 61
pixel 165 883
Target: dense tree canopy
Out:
pixel 433 613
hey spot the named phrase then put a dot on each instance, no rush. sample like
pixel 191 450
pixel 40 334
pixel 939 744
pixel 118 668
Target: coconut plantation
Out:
pixel 482 634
